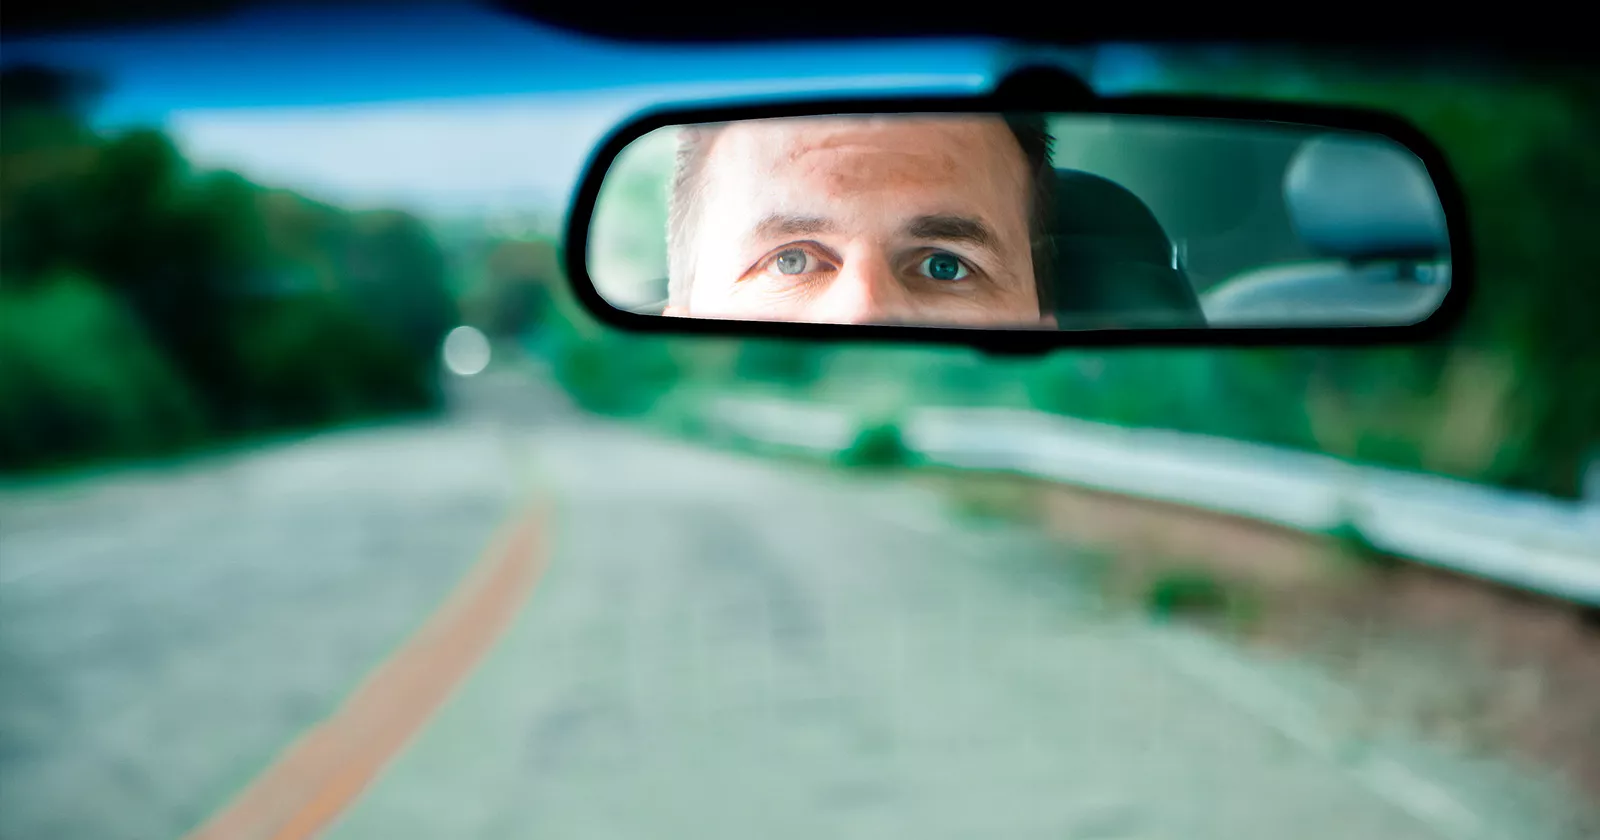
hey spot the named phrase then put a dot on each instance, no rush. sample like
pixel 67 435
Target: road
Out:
pixel 718 646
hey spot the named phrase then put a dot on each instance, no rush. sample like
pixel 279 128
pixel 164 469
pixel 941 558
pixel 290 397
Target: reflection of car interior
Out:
pixel 1371 211
pixel 1114 263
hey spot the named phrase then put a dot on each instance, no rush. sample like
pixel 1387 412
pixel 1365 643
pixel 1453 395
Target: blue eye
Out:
pixel 944 267
pixel 792 261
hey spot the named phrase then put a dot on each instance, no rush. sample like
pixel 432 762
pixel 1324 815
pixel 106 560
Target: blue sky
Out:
pixel 445 107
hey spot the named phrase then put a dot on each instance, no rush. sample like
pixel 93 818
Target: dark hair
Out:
pixel 1038 145
pixel 1032 134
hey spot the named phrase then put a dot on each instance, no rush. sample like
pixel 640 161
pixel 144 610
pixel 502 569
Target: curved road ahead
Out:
pixel 718 646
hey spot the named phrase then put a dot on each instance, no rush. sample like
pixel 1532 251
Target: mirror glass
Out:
pixel 1032 221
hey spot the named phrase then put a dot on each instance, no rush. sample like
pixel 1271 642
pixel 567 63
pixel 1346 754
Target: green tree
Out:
pixel 613 373
pixel 515 294
pixel 1523 149
pixel 266 307
pixel 395 271
pixel 1514 396
pixel 81 378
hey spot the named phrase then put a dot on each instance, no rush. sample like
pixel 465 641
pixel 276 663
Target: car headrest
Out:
pixel 1364 200
pixel 1113 261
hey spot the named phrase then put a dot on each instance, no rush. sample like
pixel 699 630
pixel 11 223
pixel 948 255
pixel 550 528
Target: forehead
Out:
pixel 967 130
pixel 852 154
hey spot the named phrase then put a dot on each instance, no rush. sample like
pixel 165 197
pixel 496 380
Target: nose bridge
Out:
pixel 865 288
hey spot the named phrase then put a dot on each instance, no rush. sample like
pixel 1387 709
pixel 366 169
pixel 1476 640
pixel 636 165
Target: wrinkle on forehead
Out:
pixel 850 169
pixel 776 142
pixel 849 156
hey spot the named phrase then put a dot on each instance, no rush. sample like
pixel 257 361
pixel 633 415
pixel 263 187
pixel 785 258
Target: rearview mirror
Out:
pixel 1139 221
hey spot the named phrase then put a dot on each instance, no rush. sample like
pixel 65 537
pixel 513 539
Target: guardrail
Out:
pixel 1522 540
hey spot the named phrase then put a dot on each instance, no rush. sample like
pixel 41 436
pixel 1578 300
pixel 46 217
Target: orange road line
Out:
pixel 325 771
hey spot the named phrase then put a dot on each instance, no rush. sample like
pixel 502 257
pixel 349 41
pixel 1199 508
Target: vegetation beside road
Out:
pixel 247 308
pixel 146 306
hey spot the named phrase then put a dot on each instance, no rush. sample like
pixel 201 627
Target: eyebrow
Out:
pixel 954 229
pixel 945 228
pixel 779 225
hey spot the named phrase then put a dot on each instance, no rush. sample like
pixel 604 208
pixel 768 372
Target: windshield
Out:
pixel 327 510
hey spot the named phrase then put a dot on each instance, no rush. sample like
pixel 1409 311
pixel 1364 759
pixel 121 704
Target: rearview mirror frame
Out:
pixel 1059 100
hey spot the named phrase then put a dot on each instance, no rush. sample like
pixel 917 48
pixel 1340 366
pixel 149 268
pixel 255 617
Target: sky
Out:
pixel 446 108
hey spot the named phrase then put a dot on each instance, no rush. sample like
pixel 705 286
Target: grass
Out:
pixel 1164 588
pixel 985 497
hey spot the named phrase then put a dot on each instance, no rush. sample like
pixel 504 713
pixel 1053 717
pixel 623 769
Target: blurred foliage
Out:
pixel 237 307
pixel 82 378
pixel 318 360
pixel 267 308
pixel 785 362
pixel 878 445
pixel 1186 592
pixel 1355 547
pixel 617 374
pixel 991 497
pixel 511 285
pixel 1513 398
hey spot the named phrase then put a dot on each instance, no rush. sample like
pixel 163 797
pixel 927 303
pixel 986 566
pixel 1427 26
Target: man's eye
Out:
pixel 794 262
pixel 944 267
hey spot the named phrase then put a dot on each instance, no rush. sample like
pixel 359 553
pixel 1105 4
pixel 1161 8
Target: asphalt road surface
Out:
pixel 719 647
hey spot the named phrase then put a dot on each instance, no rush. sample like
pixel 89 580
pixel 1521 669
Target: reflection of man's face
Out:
pixel 865 220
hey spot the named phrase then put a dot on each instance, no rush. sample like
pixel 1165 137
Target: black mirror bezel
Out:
pixel 1067 99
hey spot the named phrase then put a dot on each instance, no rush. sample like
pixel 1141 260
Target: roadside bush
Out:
pixel 682 415
pixel 992 498
pixel 80 378
pixel 1354 546
pixel 878 445
pixel 611 373
pixel 317 360
pixel 1186 593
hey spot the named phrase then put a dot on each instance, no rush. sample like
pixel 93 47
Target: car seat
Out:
pixel 1114 263
pixel 1369 211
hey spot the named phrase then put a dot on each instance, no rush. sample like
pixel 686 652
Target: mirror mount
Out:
pixel 1031 84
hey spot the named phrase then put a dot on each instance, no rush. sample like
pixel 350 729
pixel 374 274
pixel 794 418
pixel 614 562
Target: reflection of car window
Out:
pixel 1370 215
pixel 1216 193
